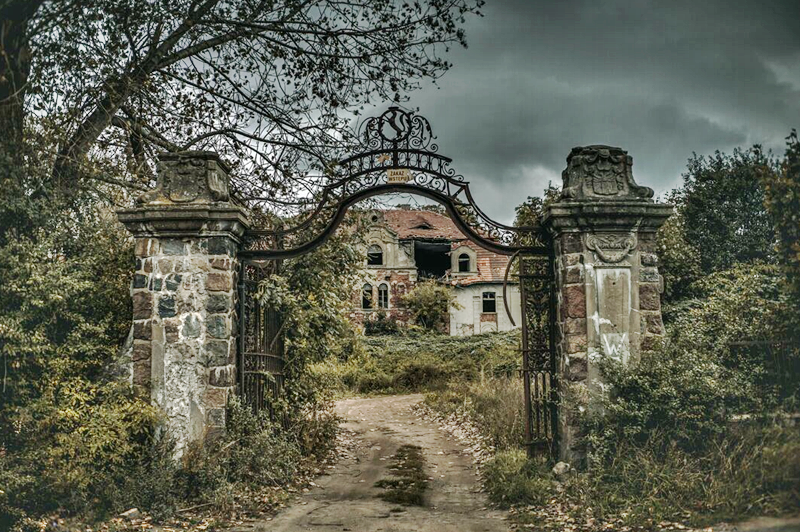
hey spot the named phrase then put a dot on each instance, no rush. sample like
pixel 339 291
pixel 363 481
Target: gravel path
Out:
pixel 347 498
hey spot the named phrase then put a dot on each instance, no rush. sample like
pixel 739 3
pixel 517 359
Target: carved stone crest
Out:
pixel 189 177
pixel 602 172
pixel 611 248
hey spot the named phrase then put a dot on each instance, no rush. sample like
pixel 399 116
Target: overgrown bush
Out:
pixel 418 361
pixel 510 478
pixel 429 303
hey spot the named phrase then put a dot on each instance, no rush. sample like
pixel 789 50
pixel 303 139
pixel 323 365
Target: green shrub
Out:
pixel 429 303
pixel 749 470
pixel 511 479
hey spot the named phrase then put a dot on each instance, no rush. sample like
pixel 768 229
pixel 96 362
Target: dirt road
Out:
pixel 348 499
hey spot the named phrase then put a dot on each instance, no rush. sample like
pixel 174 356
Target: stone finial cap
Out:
pixel 601 173
pixel 189 177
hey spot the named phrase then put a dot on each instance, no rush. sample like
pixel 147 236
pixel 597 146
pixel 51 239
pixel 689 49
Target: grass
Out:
pixel 415 362
pixel 408 483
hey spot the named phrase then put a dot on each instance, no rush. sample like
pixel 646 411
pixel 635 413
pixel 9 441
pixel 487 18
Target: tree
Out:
pixel 429 303
pixel 782 200
pixel 263 81
pixel 722 207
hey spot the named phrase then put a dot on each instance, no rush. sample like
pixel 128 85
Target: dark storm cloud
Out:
pixel 660 79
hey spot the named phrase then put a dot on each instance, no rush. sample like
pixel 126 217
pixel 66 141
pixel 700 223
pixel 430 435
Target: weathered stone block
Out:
pixel 142 330
pixel 221 376
pixel 575 301
pixel 144 247
pixel 218 303
pixel 147 266
pixel 191 326
pixel 576 343
pixel 218 282
pixel 141 373
pixel 653 323
pixel 215 353
pixel 137 264
pixel 575 326
pixel 217 326
pixel 166 265
pixel 166 307
pixel 155 284
pixel 578 367
pixel 141 351
pixel 142 305
pixel 220 264
pixel 199 246
pixel 572 259
pixel 219 245
pixel 648 275
pixel 571 243
pixel 215 397
pixel 648 259
pixel 573 275
pixel 649 298
pixel 173 246
pixel 171 331
pixel 173 282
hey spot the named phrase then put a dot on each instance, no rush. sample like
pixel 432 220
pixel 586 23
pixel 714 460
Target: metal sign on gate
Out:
pixel 398 154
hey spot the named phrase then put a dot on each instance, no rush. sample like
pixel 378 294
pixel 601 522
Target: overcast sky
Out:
pixel 659 79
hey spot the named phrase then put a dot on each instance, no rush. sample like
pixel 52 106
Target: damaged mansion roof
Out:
pixel 427 225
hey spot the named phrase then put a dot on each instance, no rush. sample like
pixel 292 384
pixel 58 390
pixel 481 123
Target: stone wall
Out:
pixel 184 319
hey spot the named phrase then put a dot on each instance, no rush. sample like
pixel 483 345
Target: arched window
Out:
pixel 366 296
pixel 374 255
pixel 383 296
pixel 463 263
pixel 489 302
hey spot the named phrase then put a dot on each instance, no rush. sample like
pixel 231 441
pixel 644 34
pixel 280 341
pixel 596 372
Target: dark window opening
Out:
pixel 489 302
pixel 463 263
pixel 366 296
pixel 432 259
pixel 383 296
pixel 374 255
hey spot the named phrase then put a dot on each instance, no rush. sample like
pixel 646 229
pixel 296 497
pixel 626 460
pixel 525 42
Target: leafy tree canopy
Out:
pixel 261 81
pixel 722 208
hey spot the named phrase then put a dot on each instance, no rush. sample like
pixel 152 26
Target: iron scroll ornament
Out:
pixel 402 141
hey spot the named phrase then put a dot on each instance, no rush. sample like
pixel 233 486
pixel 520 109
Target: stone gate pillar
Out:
pixel 187 234
pixel 604 228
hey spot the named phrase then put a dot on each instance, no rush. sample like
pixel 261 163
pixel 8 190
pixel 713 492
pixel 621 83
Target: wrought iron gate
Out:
pixel 261 362
pixel 398 154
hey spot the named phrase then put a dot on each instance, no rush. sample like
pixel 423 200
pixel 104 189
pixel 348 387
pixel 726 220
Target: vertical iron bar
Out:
pixel 241 331
pixel 525 364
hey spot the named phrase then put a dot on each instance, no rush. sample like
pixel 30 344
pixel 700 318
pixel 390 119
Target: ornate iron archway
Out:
pixel 398 154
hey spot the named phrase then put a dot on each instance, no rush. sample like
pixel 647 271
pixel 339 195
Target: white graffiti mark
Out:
pixel 616 350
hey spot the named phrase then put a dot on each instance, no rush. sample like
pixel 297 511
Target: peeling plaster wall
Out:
pixel 470 319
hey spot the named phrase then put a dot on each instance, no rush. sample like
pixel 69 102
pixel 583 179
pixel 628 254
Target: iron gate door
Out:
pixel 261 347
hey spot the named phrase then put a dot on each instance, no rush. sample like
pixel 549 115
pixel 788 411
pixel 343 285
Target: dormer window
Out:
pixel 375 255
pixel 464 263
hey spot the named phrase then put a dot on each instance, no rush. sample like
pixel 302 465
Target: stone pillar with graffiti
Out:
pixel 187 234
pixel 608 297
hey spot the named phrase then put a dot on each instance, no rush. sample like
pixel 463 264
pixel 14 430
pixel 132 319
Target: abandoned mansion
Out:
pixel 405 246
